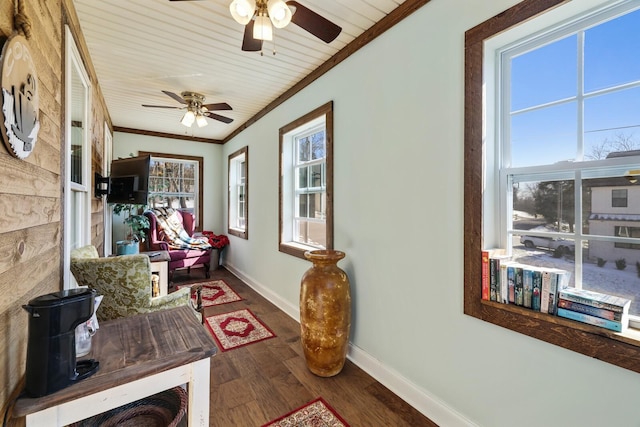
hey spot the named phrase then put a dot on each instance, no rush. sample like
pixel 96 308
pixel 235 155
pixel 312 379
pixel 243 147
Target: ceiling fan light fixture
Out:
pixel 262 29
pixel 242 10
pixel 188 118
pixel 279 13
pixel 201 121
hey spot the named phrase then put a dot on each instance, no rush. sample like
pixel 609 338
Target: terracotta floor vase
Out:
pixel 325 313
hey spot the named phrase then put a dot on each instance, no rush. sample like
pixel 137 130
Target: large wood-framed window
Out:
pixel 619 349
pixel 306 183
pixel 238 195
pixel 183 189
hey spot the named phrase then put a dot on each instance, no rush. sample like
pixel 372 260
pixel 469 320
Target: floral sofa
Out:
pixel 172 230
pixel 125 282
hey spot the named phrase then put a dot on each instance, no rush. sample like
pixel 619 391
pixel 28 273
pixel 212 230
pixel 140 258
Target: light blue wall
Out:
pixel 399 115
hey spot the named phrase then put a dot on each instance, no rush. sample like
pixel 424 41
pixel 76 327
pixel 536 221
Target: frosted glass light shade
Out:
pixel 262 29
pixel 188 119
pixel 279 13
pixel 242 10
pixel 201 121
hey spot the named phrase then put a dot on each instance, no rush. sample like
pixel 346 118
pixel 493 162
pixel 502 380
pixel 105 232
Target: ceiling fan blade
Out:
pixel 174 96
pixel 218 106
pixel 161 106
pixel 249 44
pixel 218 117
pixel 316 24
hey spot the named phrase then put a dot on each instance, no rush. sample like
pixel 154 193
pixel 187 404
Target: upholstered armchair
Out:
pixel 125 282
pixel 172 230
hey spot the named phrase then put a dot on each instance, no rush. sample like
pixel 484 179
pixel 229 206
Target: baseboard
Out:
pixel 292 310
pixel 427 404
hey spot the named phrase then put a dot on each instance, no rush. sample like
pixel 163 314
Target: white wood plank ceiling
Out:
pixel 141 47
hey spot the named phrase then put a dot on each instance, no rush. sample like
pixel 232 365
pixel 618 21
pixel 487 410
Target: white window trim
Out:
pixel 292 192
pixel 236 159
pixel 107 208
pixel 74 62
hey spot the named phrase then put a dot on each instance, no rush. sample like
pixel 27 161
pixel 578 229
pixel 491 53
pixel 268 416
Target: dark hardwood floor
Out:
pixel 255 384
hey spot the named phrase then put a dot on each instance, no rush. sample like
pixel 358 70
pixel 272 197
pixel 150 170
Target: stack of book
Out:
pixel 607 311
pixel 510 282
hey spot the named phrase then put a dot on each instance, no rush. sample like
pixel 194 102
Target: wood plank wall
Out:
pixel 31 190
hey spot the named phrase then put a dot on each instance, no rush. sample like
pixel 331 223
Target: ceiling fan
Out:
pixel 196 109
pixel 258 15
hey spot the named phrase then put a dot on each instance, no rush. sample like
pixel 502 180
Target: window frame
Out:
pixel 287 195
pixel 77 200
pixel 200 161
pixel 233 201
pixel 622 350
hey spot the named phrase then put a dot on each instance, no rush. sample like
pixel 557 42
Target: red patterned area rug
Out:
pixel 314 414
pixel 237 329
pixel 215 292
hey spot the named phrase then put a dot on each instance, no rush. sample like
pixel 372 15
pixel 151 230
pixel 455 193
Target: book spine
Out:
pixel 527 286
pixel 485 275
pixel 553 292
pixel 519 291
pixel 504 284
pixel 535 294
pixel 511 284
pixel 588 301
pixel 493 279
pixel 590 310
pixel 544 291
pixel 591 320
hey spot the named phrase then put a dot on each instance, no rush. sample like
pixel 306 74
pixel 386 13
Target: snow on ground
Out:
pixel 607 279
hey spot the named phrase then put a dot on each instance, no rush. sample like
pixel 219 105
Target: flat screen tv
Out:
pixel 129 180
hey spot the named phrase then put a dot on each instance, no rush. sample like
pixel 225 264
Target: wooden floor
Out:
pixel 255 384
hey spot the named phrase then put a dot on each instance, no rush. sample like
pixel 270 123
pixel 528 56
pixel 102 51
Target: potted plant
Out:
pixel 137 226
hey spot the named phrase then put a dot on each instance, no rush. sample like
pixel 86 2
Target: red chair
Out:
pixel 159 239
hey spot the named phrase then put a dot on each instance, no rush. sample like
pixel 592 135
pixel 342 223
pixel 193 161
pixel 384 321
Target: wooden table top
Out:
pixel 131 348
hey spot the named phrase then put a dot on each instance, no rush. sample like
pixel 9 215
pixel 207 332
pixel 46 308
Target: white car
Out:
pixel 561 245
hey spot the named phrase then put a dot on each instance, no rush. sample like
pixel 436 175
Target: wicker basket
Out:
pixel 165 409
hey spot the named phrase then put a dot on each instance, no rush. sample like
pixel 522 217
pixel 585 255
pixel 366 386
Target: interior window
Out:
pixel 306 183
pixel 238 202
pixel 176 181
pixel 544 148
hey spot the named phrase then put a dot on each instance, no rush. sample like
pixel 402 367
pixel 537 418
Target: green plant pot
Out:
pixel 127 247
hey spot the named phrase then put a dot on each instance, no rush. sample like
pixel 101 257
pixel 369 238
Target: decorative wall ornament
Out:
pixel 19 83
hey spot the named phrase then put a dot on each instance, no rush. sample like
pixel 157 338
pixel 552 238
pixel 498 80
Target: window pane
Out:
pixel 606 66
pixel 302 177
pixel 311 233
pixel 317 148
pixel 544 136
pixel 302 205
pixel 303 149
pixel 612 123
pixel 316 176
pixel 544 75
pixel 76 152
pixel 312 199
pixel 543 205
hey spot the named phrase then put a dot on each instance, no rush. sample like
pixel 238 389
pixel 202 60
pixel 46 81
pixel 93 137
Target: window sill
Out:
pixel 296 249
pixel 590 340
pixel 238 233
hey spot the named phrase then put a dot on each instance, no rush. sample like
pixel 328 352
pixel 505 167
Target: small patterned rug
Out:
pixel 215 292
pixel 237 329
pixel 314 414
